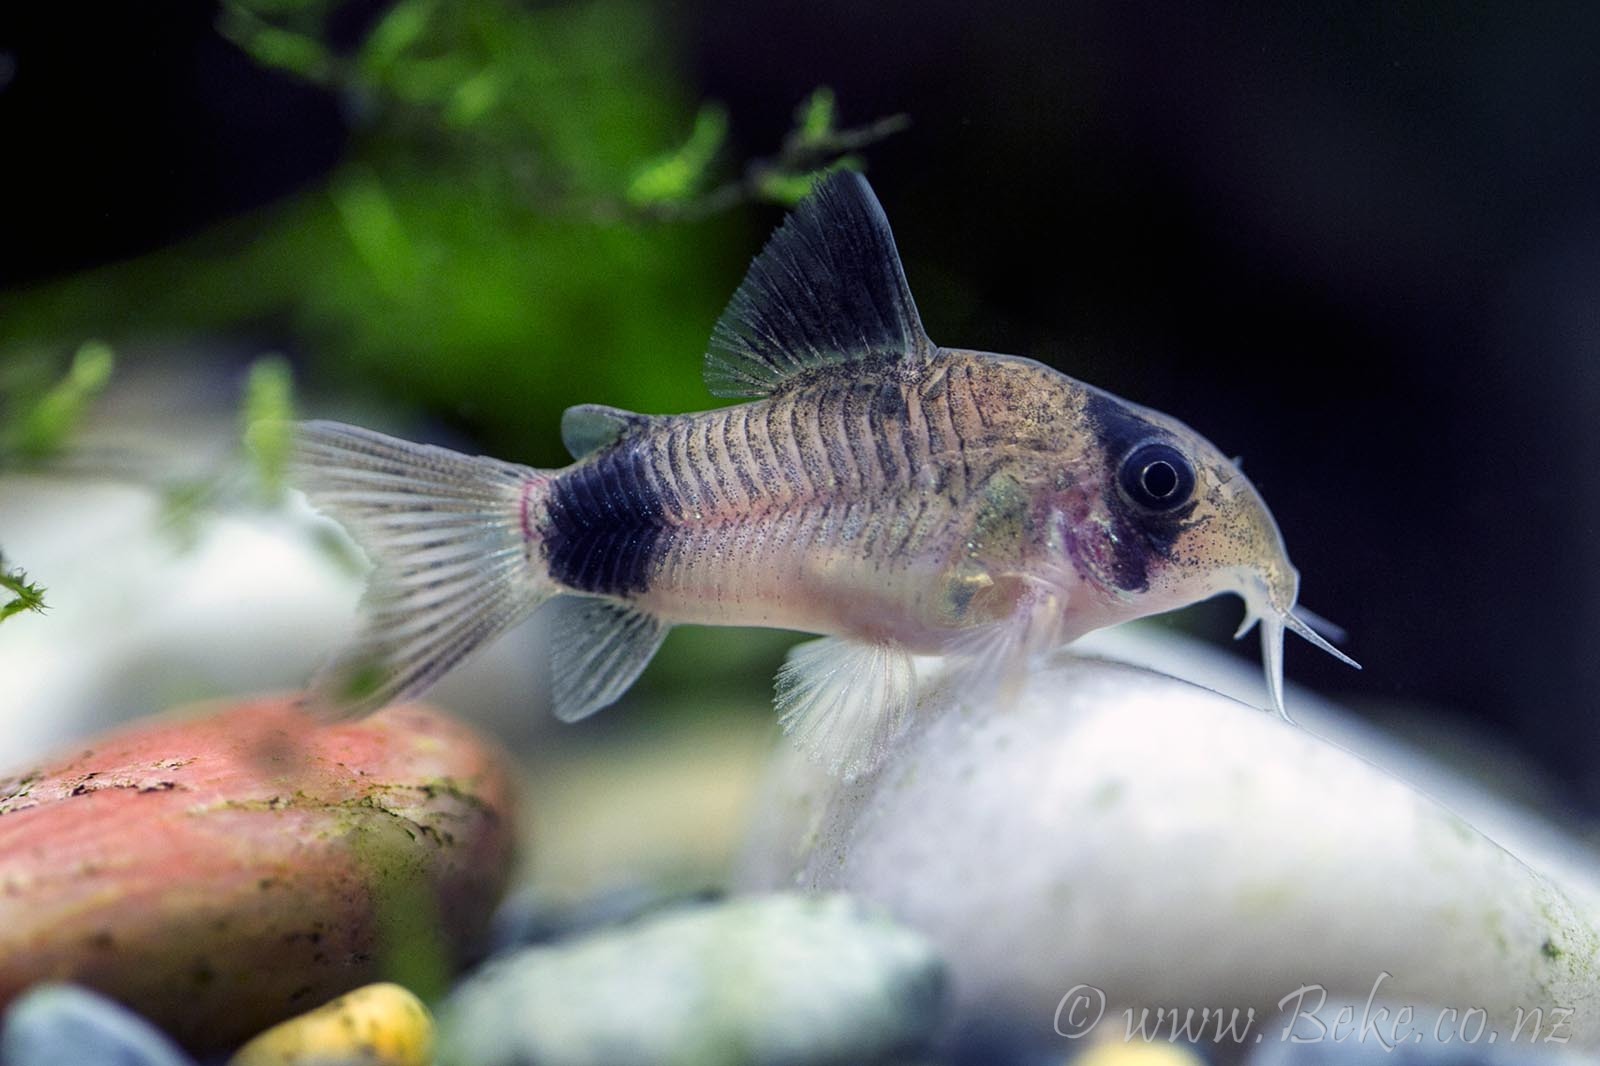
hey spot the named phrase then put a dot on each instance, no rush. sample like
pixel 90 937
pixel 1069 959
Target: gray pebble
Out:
pixel 784 980
pixel 527 917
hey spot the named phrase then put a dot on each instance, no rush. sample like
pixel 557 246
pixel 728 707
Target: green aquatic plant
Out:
pixel 542 96
pixel 674 177
pixel 40 414
pixel 39 420
pixel 266 411
pixel 265 418
pixel 43 417
pixel 519 188
pixel 25 595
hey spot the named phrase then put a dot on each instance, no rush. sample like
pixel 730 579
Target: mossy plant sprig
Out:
pixel 25 595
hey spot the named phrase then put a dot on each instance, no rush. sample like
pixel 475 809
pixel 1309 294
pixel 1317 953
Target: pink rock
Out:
pixel 221 873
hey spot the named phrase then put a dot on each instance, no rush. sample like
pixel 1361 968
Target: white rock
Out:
pixel 1168 846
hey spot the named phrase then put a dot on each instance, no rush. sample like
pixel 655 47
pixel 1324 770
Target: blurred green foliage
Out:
pixel 446 265
pixel 675 177
pixel 39 417
pixel 40 407
pixel 530 213
pixel 266 420
pixel 256 473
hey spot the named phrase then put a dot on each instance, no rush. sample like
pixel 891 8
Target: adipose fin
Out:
pixel 589 427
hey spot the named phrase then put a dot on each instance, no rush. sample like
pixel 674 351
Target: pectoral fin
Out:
pixel 994 658
pixel 844 702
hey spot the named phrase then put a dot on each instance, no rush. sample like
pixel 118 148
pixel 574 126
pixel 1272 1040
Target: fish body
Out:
pixel 896 496
pixel 904 504
pixel 866 505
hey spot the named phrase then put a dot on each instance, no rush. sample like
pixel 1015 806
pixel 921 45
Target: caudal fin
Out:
pixel 448 537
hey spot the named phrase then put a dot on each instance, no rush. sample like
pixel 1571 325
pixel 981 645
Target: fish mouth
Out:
pixel 1270 601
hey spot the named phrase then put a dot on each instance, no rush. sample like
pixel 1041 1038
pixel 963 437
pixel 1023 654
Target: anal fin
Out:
pixel 844 702
pixel 598 648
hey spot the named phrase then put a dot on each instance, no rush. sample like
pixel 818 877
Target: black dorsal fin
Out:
pixel 588 427
pixel 826 290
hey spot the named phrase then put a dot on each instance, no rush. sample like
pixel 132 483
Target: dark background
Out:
pixel 1358 245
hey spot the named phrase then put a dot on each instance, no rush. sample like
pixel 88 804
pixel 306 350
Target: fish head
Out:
pixel 1172 520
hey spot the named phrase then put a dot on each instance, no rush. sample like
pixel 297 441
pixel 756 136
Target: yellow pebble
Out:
pixel 1135 1053
pixel 379 1025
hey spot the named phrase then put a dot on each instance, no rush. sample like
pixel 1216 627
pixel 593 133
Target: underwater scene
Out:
pixel 623 533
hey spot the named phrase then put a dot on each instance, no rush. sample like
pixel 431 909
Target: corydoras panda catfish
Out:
pixel 901 498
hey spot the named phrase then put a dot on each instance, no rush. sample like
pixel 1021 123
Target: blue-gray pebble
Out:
pixel 1385 1045
pixel 64 1025
pixel 783 980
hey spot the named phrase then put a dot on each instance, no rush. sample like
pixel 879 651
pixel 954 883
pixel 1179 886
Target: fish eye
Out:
pixel 1157 477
